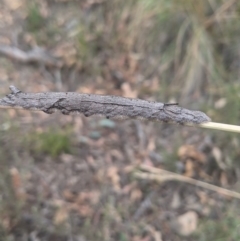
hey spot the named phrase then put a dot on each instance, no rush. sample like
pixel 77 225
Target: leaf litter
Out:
pixel 93 192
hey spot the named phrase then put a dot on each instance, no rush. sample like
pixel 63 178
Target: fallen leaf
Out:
pixel 127 91
pixel 17 184
pixel 128 188
pixel 136 195
pixel 66 158
pixel 203 197
pixel 5 222
pixel 85 210
pixel 156 234
pixel 217 154
pixel 219 104
pixel 13 4
pixel 61 215
pixel 186 223
pixel 189 168
pixel 68 195
pixel 189 151
pixel 112 174
pixel 67 52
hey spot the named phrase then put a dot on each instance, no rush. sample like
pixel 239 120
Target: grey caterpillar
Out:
pixel 115 107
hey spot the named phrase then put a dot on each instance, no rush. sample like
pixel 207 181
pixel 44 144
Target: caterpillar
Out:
pixel 114 107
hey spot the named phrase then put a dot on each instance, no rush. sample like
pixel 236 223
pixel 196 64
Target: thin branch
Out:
pixel 36 55
pixel 160 175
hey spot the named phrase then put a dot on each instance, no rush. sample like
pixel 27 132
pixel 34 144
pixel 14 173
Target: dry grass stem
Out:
pixel 160 175
pixel 220 126
pixel 219 12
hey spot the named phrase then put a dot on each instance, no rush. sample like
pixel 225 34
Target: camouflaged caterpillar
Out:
pixel 115 107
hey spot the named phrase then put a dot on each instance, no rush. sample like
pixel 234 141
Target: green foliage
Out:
pixel 230 112
pixel 45 30
pixel 89 42
pixel 51 143
pixel 35 20
pixel 226 229
pixel 83 45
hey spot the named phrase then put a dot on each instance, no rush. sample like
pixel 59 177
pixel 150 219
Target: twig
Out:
pixel 36 55
pixel 160 175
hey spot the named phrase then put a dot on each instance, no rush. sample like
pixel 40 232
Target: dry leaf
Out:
pixel 112 174
pixel 189 151
pixel 136 195
pixel 91 161
pixel 156 234
pixel 151 144
pixel 6 222
pixel 203 197
pixel 186 224
pixel 61 215
pixel 66 52
pixel 95 197
pixel 88 197
pixel 17 184
pixel 69 196
pixel 85 210
pixel 217 153
pixel 58 203
pixel 66 158
pixel 189 168
pixel 127 91
pixel 12 113
pixel 128 188
pixel 219 104
pixel 13 4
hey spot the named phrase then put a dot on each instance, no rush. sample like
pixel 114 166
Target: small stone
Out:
pixel 95 135
pixel 83 139
pixel 107 123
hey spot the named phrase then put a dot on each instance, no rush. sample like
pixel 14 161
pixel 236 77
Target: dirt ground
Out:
pixel 72 178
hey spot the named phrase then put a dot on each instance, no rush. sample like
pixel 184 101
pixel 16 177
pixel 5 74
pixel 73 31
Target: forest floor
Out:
pixel 72 178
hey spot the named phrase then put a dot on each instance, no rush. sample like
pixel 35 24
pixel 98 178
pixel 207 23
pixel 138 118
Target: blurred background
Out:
pixel 72 178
